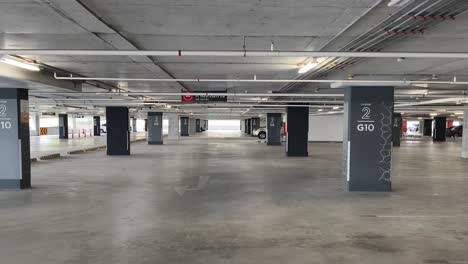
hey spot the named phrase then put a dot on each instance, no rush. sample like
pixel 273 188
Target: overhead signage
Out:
pixel 203 99
pixel 48 113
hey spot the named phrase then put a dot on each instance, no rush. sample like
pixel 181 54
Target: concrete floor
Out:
pixel 49 145
pixel 236 201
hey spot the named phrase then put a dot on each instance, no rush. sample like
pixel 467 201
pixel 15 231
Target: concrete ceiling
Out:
pixel 217 25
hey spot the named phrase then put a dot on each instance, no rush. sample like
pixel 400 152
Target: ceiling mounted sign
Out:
pixel 187 99
pixel 203 99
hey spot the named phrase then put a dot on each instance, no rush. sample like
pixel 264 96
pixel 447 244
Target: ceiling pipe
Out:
pixel 173 102
pixel 435 101
pixel 340 82
pixel 204 94
pixel 230 53
pixel 123 95
pixel 195 106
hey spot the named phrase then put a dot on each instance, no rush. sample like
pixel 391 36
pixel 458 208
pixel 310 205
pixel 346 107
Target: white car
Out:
pixel 261 133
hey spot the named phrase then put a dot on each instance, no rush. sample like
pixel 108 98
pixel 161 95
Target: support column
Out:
pixel 74 123
pixel 155 128
pixel 465 135
pixel 97 125
pixel 204 125
pixel 37 124
pixel 427 127
pixel 367 142
pixel 255 124
pixel 134 124
pixel 184 126
pixel 274 121
pixel 197 125
pixel 249 126
pixel 15 160
pixel 397 122
pixel 245 126
pixel 173 129
pixel 298 131
pixel 63 126
pixel 118 134
pixel 146 124
pixel 439 128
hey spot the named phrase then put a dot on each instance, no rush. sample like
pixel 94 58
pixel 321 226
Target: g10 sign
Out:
pixel 5 121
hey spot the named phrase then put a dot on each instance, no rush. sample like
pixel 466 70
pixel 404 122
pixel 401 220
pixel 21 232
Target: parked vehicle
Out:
pixel 454 131
pixel 261 133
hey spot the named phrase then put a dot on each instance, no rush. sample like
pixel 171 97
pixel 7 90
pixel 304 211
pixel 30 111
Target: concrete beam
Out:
pixel 24 76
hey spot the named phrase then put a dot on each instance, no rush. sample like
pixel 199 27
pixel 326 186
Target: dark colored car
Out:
pixel 454 131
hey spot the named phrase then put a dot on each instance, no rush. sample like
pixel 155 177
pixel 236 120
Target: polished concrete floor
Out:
pixel 49 145
pixel 236 201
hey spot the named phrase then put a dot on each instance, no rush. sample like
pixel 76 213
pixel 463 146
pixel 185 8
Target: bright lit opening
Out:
pixel 224 125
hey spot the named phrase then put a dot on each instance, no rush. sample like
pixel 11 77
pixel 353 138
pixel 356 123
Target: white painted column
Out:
pixel 173 129
pixel 37 124
pixel 465 135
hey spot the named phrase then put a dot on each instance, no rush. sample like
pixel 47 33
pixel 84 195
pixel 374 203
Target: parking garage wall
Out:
pixel 326 128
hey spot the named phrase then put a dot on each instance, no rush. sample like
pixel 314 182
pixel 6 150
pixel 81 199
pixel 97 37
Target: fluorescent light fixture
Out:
pixel 320 110
pixel 336 107
pixel 344 84
pixel 309 66
pixel 20 64
pixel 422 85
pixel 398 3
pixel 433 114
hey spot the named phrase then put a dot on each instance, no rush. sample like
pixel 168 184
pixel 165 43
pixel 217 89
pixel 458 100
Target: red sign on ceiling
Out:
pixel 187 99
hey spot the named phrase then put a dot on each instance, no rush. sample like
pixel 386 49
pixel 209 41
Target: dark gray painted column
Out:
pixel 427 127
pixel 146 124
pixel 197 125
pixel 367 142
pixel 246 129
pixel 397 123
pixel 184 126
pixel 255 124
pixel 155 128
pixel 15 160
pixel 118 134
pixel 440 127
pixel 249 126
pixel 274 121
pixel 97 125
pixel 298 131
pixel 63 126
